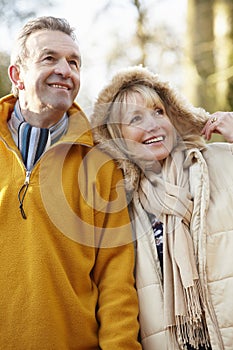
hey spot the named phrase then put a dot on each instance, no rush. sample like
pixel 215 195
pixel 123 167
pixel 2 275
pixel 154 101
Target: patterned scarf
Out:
pixel 32 141
pixel 167 196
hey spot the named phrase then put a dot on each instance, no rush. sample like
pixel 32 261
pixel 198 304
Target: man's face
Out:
pixel 51 72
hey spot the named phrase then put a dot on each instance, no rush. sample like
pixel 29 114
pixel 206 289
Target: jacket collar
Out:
pixel 79 130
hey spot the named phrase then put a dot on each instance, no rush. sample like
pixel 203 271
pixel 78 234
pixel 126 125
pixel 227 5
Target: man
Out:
pixel 66 274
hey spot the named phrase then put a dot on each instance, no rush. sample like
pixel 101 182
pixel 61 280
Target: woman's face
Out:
pixel 148 133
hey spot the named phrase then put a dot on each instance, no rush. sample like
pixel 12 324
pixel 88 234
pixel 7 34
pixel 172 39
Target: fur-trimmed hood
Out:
pixel 187 119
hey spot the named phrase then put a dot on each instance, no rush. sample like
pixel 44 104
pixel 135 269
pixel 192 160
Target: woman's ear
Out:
pixel 14 74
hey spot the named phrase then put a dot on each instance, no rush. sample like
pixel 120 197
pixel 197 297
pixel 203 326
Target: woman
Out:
pixel 180 202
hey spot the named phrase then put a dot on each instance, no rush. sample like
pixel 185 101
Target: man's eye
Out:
pixel 75 63
pixel 48 58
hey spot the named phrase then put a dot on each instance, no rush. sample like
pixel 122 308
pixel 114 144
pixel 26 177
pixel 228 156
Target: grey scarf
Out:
pixel 32 141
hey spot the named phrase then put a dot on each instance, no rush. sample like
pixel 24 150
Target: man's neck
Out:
pixel 42 120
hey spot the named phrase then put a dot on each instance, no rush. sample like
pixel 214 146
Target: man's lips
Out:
pixel 154 140
pixel 60 86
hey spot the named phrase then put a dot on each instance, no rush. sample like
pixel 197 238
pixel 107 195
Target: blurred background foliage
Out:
pixel 198 59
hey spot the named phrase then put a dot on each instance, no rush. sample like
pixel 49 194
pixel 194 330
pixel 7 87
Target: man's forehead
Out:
pixel 51 39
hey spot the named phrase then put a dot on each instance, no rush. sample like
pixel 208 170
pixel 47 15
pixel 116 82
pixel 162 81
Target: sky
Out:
pixel 96 28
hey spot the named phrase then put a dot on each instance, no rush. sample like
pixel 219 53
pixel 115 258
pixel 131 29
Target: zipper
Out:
pixel 22 193
pixel 23 190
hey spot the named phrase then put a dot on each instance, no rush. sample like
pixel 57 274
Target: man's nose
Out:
pixel 63 68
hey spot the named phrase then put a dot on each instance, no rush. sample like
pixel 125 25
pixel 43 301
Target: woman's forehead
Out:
pixel 145 98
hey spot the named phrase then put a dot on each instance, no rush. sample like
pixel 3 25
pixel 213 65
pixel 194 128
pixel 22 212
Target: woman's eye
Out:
pixel 135 119
pixel 158 112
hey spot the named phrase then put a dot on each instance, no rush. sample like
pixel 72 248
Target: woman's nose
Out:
pixel 151 121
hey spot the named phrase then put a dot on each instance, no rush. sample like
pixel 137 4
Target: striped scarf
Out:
pixel 32 141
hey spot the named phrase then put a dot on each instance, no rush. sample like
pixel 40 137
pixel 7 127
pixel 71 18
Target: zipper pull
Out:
pixel 27 179
pixel 22 193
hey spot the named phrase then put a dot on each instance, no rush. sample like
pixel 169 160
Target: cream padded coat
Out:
pixel 213 242
pixel 211 185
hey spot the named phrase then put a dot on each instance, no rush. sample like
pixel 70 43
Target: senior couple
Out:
pixel 118 235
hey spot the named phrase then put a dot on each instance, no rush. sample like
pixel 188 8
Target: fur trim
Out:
pixel 187 119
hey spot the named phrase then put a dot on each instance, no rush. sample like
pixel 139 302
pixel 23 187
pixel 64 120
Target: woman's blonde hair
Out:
pixel 150 97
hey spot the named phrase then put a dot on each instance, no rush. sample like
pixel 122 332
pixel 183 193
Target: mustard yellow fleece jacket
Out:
pixel 66 271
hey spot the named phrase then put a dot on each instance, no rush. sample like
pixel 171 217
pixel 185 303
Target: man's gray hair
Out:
pixel 20 51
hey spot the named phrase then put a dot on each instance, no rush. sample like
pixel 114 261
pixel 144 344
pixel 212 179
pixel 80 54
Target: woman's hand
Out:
pixel 219 123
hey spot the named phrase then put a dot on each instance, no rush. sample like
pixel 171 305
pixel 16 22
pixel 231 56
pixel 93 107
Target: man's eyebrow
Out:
pixel 44 52
pixel 47 51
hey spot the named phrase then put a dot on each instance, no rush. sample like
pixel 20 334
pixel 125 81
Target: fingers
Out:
pixel 213 120
pixel 210 127
pixel 220 123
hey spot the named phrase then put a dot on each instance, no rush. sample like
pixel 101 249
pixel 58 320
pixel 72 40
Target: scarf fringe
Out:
pixel 191 328
pixel 168 195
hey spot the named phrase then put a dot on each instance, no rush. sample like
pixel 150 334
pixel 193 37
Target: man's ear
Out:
pixel 14 74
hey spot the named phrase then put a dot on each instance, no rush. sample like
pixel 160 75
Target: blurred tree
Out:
pixel 13 12
pixel 149 41
pixel 200 53
pixel 5 85
pixel 131 32
pixel 155 40
pixel 223 77
pixel 209 53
